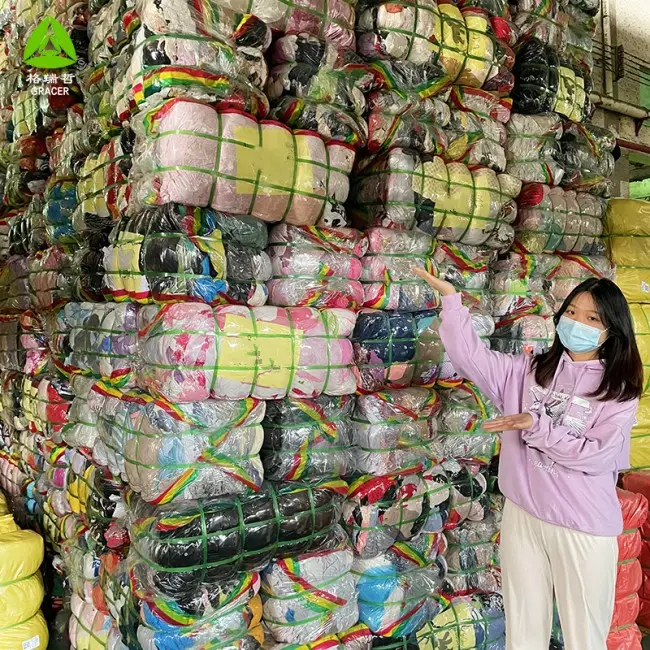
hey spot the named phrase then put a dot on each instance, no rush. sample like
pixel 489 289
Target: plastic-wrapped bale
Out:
pixel 102 340
pixel 537 75
pixel 641 322
pixel 460 433
pixel 34 341
pixel 451 202
pixel 530 334
pixel 26 176
pixel 358 637
pixel 533 148
pixel 572 100
pixel 190 153
pixel 575 269
pixel 396 350
pixel 396 589
pixel 586 155
pixel 228 615
pixel 394 431
pixel 624 632
pixel 521 284
pixel 178 252
pixel 181 546
pixel 387 277
pixel 50 272
pixel 467 623
pixel 306 439
pixel 88 627
pixel 578 47
pixel 309 596
pixel 541 18
pixel 14 285
pixel 473 557
pixel 468 269
pixel 382 510
pixel 187 451
pixel 21 587
pixel 12 354
pixel 159 66
pixel 552 219
pixel 639 482
pixel 459 41
pixel 191 352
pixel 46 402
pixel 60 202
pixel 102 186
pixel 316 267
pixel 12 478
pixel 628 229
pixel 397 119
pixel 317 86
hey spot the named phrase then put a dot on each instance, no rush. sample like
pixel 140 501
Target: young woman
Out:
pixel 566 435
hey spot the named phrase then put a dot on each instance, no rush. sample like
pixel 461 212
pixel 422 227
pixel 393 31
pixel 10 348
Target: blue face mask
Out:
pixel 578 337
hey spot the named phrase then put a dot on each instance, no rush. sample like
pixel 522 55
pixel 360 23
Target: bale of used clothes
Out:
pixel 537 75
pixel 81 429
pixel 578 47
pixel 530 334
pixel 21 587
pixel 191 352
pixel 460 434
pixel 309 596
pixel 88 626
pixel 542 19
pixel 50 272
pixel 533 148
pixel 575 269
pixel 401 189
pixel 587 157
pixel 552 219
pixel 473 557
pixel 60 203
pixel 187 451
pixel 316 267
pixel 307 438
pixel 467 623
pixel 190 153
pixel 14 285
pixel 387 275
pixel 35 342
pixel 177 252
pixel 573 99
pixel 521 283
pixel 627 225
pixel 397 588
pixel 184 545
pixel 393 431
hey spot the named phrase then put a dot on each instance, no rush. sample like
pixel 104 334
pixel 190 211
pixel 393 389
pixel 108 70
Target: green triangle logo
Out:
pixel 49 47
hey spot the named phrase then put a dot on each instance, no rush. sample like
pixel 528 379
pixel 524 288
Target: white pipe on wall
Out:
pixel 608 64
pixel 620 107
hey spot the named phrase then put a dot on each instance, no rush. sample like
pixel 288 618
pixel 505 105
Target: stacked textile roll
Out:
pixel 628 223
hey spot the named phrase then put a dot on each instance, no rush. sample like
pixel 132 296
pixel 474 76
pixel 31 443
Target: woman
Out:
pixel 566 435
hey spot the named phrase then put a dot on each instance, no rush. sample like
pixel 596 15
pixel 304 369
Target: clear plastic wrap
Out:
pixel 460 432
pixel 575 269
pixel 395 431
pixel 468 623
pixel 397 588
pixel 587 157
pixel 521 284
pixel 309 596
pixel 61 200
pixel 543 19
pixel 537 74
pixel 387 277
pixel 190 153
pixel 451 202
pixel 179 547
pixel 578 50
pixel 316 267
pixel 191 352
pixel 529 334
pixel 14 285
pixel 177 252
pixel 49 278
pixel 552 219
pixel 628 231
pixel 572 99
pixel 533 148
pixel 186 451
pixel 306 439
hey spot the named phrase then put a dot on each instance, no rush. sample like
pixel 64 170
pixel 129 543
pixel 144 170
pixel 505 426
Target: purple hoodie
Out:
pixel 565 468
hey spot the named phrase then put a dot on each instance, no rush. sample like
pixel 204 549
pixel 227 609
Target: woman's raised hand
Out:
pixel 443 287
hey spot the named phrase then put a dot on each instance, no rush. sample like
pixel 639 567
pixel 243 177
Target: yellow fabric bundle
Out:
pixel 21 588
pixel 640 454
pixel 4 506
pixel 628 230
pixel 641 321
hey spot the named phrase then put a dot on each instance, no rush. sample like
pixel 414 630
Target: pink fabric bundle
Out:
pixel 190 153
pixel 192 352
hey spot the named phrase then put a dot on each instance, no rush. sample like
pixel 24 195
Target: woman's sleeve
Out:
pixel 597 452
pixel 489 370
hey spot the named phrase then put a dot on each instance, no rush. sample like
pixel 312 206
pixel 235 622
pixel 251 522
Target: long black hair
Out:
pixel 623 376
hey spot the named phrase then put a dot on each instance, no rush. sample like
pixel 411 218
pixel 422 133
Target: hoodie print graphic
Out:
pixel 572 411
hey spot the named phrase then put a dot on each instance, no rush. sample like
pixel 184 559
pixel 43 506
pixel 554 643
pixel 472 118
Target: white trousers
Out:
pixel 538 559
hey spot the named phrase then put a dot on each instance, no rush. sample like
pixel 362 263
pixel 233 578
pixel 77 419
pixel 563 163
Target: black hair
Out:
pixel 623 377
